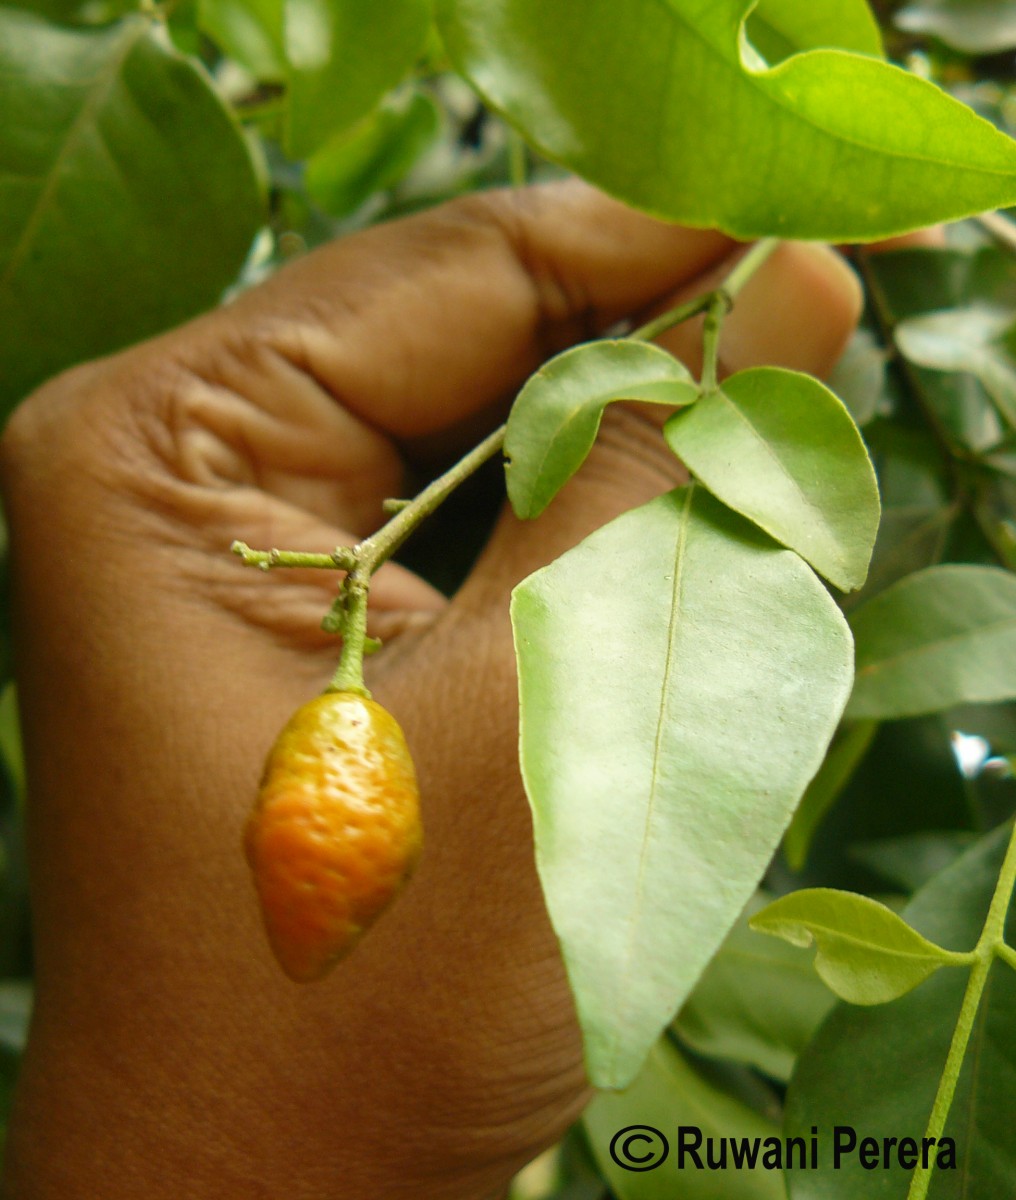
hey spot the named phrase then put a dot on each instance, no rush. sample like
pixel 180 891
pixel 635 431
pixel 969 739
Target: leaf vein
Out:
pixel 675 608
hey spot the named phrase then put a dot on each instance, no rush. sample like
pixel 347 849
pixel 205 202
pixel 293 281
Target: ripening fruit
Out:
pixel 335 832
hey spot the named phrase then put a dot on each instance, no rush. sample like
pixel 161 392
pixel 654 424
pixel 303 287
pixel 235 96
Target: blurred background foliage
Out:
pixel 156 158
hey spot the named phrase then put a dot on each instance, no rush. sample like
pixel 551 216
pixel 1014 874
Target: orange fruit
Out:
pixel 335 832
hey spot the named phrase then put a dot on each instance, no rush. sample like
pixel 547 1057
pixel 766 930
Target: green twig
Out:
pixel 990 945
pixel 341 558
pixel 748 265
pixel 715 304
pixel 348 675
pixel 349 612
pixel 672 317
pixel 717 310
pixel 383 544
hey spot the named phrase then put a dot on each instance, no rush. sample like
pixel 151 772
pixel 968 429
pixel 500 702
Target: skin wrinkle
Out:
pixel 332 445
pixel 561 304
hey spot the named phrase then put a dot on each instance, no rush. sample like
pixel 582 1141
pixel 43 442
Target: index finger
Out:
pixel 417 325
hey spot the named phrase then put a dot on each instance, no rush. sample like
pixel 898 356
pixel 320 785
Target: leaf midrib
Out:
pixel 92 101
pixel 633 915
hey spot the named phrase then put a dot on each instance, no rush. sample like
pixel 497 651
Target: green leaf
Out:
pixel 975 339
pixel 129 195
pixel 374 155
pixel 680 679
pixel 910 538
pixel 337 57
pixel 668 1095
pixel 686 121
pixel 877 1069
pixel 78 12
pixel 780 28
pixel 343 55
pixel 845 754
pixel 16 999
pixel 910 284
pixel 908 862
pixel 555 418
pixel 974 26
pixel 249 31
pixel 865 953
pixel 859 378
pixel 779 448
pixel 940 637
pixel 758 1002
pixel 11 752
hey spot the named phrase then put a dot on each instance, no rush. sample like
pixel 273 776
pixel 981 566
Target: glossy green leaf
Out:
pixel 977 339
pixel 685 120
pixel 343 55
pixel 129 195
pixel 249 31
pixel 865 952
pixel 975 26
pixel 680 679
pixel 848 749
pixel 758 1002
pixel 374 155
pixel 940 637
pixel 877 1069
pixel 555 418
pixel 779 28
pixel 779 448
pixel 668 1095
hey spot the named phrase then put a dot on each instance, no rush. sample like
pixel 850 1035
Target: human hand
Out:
pixel 168 1054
